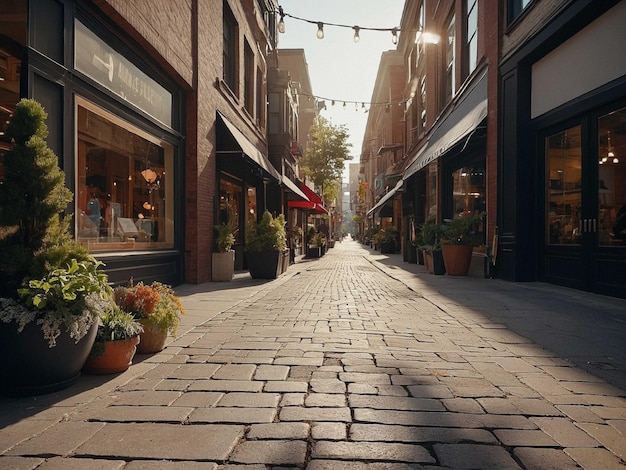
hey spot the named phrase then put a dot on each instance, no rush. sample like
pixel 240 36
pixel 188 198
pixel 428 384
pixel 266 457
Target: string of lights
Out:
pixel 320 26
pixel 344 103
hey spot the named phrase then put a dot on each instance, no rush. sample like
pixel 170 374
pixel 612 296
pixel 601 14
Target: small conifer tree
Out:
pixel 33 238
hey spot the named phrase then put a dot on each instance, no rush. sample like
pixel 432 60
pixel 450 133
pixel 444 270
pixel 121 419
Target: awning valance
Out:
pixel 249 149
pixel 308 205
pixel 464 118
pixel 312 195
pixel 386 198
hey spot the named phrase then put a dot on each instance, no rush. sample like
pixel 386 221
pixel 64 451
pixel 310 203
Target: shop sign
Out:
pixel 99 61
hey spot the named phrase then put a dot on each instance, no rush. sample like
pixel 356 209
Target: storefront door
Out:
pixel 584 235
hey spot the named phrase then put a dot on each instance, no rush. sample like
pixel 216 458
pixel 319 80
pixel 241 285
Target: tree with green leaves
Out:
pixel 327 150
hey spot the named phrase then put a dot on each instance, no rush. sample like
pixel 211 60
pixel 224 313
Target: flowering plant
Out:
pixel 156 303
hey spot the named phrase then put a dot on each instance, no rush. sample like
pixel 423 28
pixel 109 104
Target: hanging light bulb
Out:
pixel 281 23
pixel 333 103
pixel 356 33
pixel 320 30
pixel 615 160
pixel 344 105
pixel 394 35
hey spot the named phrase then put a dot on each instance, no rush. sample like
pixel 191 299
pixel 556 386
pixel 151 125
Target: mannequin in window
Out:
pixel 93 210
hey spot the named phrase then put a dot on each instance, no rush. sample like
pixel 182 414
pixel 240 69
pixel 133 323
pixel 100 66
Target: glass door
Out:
pixel 585 204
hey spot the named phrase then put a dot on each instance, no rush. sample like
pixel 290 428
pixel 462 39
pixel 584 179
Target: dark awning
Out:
pixel 291 186
pixel 248 149
pixel 464 118
pixel 386 198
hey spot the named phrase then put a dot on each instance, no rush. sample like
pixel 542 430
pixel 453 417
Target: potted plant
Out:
pixel 457 243
pixel 223 259
pixel 116 342
pixel 51 290
pixel 156 307
pixel 266 247
pixel 431 245
pixel 388 239
pixel 315 246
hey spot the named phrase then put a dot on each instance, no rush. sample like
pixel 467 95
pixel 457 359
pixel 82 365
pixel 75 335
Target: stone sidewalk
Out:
pixel 352 361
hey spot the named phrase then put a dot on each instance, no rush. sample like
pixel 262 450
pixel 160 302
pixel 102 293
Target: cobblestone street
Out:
pixel 350 362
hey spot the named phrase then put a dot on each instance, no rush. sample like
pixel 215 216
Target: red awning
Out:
pixel 308 205
pixel 312 195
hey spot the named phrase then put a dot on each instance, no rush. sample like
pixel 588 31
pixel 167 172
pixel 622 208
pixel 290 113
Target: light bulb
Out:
pixel 356 33
pixel 615 160
pixel 394 35
pixel 320 30
pixel 281 25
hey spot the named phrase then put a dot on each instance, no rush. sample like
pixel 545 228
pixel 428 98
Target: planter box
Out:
pixel 434 262
pixel 388 247
pixel 265 264
pixel 223 266
pixel 314 252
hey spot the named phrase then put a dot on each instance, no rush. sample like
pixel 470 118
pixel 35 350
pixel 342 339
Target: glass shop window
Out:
pixel 469 192
pixel 125 185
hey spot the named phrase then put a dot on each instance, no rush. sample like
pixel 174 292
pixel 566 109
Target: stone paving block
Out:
pixel 608 436
pixel 233 415
pixel 462 405
pixel 325 399
pixel 278 431
pixel 592 388
pixel 330 385
pixel 20 463
pixel 563 431
pixel 524 438
pixel 295 413
pixel 292 399
pixel 570 374
pixel 388 452
pixel 392 433
pixel 235 372
pixel 497 375
pixel 515 365
pixel 226 386
pixel 344 465
pixel 544 385
pixel 430 391
pixel 68 463
pixel 169 465
pixel 154 441
pixel 299 361
pixel 147 397
pixel 286 386
pixel 609 412
pixel 416 418
pixel 383 390
pixel 394 403
pixel 124 413
pixel 198 399
pixel 471 388
pixel 268 372
pixel 17 432
pixel 471 456
pixel 358 377
pixel 270 452
pixel 195 371
pixel 60 439
pixel 328 431
pixel 595 458
pixel 175 385
pixel 544 459
pixel 249 400
pixel 490 421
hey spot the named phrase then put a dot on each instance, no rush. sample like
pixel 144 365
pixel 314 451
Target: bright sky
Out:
pixel 339 68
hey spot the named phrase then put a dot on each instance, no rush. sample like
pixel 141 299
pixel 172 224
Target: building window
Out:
pixel 230 49
pixel 124 184
pixel 248 79
pixel 515 8
pixel 449 63
pixel 260 103
pixel 471 25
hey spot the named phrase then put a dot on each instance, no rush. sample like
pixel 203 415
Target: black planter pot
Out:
pixel 412 254
pixel 388 247
pixel 30 367
pixel 438 265
pixel 265 264
pixel 420 256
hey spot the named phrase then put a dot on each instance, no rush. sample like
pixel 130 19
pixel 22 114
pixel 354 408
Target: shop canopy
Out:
pixel 248 149
pixel 295 193
pixel 315 203
pixel 386 198
pixel 460 123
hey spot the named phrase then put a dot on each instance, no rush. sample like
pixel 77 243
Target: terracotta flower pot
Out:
pixel 457 259
pixel 110 357
pixel 152 338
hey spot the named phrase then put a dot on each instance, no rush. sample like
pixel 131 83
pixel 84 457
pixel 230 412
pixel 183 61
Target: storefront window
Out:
pixel 563 186
pixel 251 205
pixel 229 206
pixel 469 192
pixel 612 179
pixel 125 184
